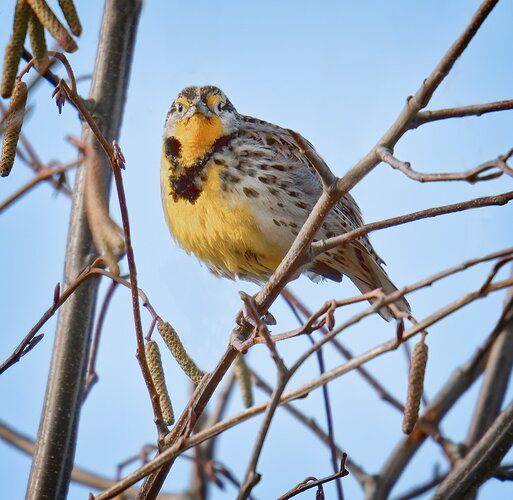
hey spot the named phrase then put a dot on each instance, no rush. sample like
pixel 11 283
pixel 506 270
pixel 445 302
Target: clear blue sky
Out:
pixel 339 73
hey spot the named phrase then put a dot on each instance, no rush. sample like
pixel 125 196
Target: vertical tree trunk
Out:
pixel 56 441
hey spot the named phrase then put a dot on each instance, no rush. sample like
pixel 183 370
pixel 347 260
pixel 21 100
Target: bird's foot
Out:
pixel 249 314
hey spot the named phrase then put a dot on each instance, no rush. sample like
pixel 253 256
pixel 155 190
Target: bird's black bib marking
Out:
pixel 186 184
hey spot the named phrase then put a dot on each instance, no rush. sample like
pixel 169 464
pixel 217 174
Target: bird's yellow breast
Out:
pixel 218 227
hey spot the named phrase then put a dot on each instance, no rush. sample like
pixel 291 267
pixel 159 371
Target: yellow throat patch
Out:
pixel 196 136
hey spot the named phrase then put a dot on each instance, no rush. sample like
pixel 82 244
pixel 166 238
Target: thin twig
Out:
pixel 423 488
pixel 42 175
pixel 89 272
pixel 91 375
pixel 251 477
pixel 117 163
pixel 486 201
pixel 462 111
pixel 59 299
pixel 356 470
pixel 385 395
pixel 311 482
pixel 327 403
pixel 484 172
pixel 79 475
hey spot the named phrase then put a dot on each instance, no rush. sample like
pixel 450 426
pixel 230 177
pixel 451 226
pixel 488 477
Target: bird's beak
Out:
pixel 200 108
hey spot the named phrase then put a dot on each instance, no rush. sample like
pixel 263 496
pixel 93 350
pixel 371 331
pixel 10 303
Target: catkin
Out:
pixel 70 13
pixel 419 357
pixel 244 379
pixel 152 352
pixel 38 43
pixel 14 48
pixel 12 129
pixel 178 351
pixel 48 19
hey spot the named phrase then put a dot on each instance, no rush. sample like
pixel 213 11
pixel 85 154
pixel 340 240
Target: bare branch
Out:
pixel 325 245
pixel 484 172
pixel 91 375
pixel 78 474
pixel 459 112
pixel 496 379
pixel 251 477
pixel 423 488
pixel 59 300
pixel 311 482
pixel 43 174
pixel 481 461
pixel 327 402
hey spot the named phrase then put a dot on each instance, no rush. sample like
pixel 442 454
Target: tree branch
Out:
pixel 460 112
pixel 44 174
pixel 481 461
pixel 486 201
pixel 78 474
pixel 484 172
pixel 496 379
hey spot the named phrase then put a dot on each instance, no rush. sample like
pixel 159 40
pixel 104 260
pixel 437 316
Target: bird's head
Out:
pixel 198 117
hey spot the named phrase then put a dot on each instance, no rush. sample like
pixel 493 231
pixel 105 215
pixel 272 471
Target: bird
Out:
pixel 236 190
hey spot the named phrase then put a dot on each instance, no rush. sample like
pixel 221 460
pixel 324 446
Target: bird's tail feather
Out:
pixel 379 279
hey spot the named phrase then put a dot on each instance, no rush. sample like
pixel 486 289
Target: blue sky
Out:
pixel 338 73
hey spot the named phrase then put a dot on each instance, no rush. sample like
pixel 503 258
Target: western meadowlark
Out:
pixel 236 190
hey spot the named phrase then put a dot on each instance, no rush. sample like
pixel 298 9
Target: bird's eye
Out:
pixel 221 106
pixel 179 107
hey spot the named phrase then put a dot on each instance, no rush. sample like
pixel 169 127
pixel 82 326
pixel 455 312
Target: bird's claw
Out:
pixel 249 314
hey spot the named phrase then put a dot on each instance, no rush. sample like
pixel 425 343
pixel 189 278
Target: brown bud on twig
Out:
pixel 13 127
pixel 178 351
pixel 152 352
pixel 14 48
pixel 38 44
pixel 48 19
pixel 57 294
pixel 418 362
pixel 70 13
pixel 244 379
pixel 60 96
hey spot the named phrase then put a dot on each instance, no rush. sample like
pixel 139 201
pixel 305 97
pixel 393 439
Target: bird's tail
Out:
pixel 376 277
